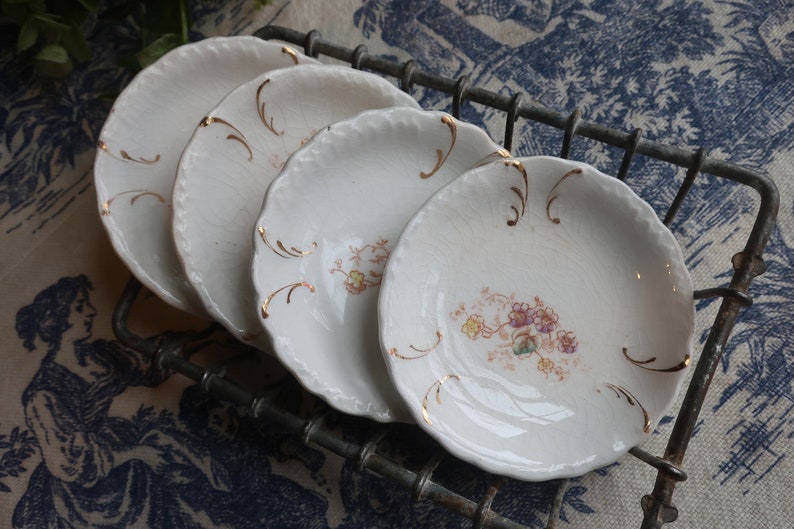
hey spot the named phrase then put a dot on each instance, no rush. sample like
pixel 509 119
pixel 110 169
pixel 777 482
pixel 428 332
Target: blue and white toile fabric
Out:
pixel 91 437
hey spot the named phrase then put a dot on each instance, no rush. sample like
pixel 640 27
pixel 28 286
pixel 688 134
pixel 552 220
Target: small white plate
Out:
pixel 233 156
pixel 143 137
pixel 329 223
pixel 537 317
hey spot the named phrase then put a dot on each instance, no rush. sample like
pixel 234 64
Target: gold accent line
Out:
pixel 239 137
pixel 125 156
pixel 141 193
pixel 449 121
pixel 260 108
pixel 554 194
pixel 632 400
pixel 437 384
pixel 498 155
pixel 424 352
pixel 285 253
pixel 292 287
pixel 642 363
pixel 289 51
pixel 522 195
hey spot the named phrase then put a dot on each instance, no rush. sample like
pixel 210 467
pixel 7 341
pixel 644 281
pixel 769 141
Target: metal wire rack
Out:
pixel 173 350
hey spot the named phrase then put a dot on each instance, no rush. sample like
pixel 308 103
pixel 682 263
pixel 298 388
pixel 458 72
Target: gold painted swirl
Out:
pixel 643 363
pixel 239 137
pixel 125 156
pixel 520 193
pixel 632 401
pixel 422 351
pixel 140 193
pixel 555 193
pixel 449 121
pixel 280 249
pixel 437 384
pixel 292 287
pixel 260 108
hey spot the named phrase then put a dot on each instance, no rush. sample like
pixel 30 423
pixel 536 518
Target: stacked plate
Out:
pixel 532 314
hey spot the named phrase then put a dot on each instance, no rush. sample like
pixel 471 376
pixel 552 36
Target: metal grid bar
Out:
pixel 169 352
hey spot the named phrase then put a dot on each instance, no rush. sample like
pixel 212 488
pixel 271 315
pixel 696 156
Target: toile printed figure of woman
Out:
pixel 98 470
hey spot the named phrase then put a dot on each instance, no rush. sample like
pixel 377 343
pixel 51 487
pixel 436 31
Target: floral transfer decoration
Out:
pixel 522 332
pixel 364 268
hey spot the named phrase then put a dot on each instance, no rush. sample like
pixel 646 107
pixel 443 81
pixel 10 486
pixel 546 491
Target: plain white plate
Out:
pixel 537 318
pixel 328 225
pixel 144 135
pixel 232 158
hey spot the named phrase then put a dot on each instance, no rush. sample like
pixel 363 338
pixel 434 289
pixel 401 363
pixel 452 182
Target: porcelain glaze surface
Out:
pixel 233 156
pixel 141 142
pixel 537 318
pixel 329 223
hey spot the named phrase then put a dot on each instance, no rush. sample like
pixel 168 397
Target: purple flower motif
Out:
pixel 545 320
pixel 521 315
pixel 567 341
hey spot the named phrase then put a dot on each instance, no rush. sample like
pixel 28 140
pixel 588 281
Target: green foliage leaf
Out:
pixel 90 5
pixel 157 49
pixel 28 34
pixel 53 53
pixel 49 22
pixel 53 70
pixel 76 44
pixel 52 29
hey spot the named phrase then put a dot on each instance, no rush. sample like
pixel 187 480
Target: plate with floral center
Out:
pixel 537 318
pixel 328 225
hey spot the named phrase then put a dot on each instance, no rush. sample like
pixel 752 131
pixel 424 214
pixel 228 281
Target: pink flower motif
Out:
pixel 567 342
pixel 545 320
pixel 522 315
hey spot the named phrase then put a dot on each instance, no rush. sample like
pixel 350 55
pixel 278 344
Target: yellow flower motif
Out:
pixel 355 282
pixel 546 365
pixel 473 326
